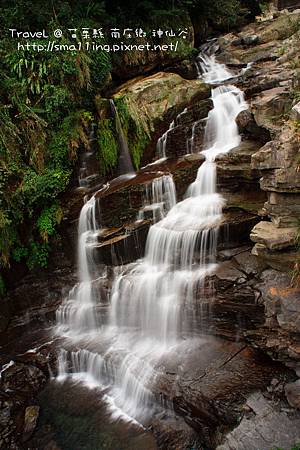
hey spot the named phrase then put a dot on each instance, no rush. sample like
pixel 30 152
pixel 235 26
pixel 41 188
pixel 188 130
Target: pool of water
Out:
pixel 74 417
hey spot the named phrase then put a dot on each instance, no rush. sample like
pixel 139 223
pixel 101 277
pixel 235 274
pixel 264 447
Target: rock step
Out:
pixel 272 237
pixel 121 199
pixel 126 244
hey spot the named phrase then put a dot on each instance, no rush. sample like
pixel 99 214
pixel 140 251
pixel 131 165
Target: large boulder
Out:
pixel 147 106
pixel 272 237
pixel 259 42
pixel 271 104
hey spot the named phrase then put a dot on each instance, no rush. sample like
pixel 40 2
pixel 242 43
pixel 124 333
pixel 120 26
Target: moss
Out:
pixel 136 131
pixel 108 146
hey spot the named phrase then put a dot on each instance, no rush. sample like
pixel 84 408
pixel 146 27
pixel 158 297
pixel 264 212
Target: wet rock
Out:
pixel 4 316
pixel 263 426
pixel 235 228
pixel 22 379
pixel 126 244
pixel 235 306
pixel 52 445
pixel 121 201
pixel 194 113
pixel 19 384
pixel 228 273
pixel 292 392
pixel 249 263
pixel 279 337
pixel 173 433
pixel 236 180
pixel 186 69
pixel 123 248
pixel 30 421
pixel 187 136
pixel 212 384
pixel 32 301
pixel 227 254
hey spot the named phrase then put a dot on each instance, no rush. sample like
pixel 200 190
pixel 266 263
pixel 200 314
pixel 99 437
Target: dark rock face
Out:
pixel 175 433
pixel 36 298
pixel 281 302
pixel 265 422
pixel 123 248
pixel 249 128
pixel 211 384
pixel 20 384
pixel 267 85
pixel 188 134
pixel 236 305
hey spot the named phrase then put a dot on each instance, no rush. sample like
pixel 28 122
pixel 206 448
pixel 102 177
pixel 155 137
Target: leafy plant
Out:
pixel 108 147
pixel 47 221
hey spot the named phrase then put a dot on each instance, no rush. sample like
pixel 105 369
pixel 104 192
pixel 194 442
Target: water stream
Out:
pixel 150 316
pixel 124 163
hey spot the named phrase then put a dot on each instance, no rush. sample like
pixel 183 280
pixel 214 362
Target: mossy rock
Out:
pixel 146 105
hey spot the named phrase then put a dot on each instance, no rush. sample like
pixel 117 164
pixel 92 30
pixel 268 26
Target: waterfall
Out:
pixel 88 176
pixel 161 144
pixel 76 314
pixel 151 301
pixel 124 164
pixel 208 68
pixel 160 198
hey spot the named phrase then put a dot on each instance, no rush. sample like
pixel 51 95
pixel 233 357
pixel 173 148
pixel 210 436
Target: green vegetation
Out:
pixel 295 447
pixel 108 146
pixel 134 130
pixel 47 105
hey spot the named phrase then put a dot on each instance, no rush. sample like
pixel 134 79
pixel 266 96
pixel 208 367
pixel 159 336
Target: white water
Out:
pixel 160 198
pixel 151 312
pixel 162 142
pixel 161 145
pixel 76 314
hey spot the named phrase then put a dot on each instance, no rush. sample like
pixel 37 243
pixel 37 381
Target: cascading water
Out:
pixel 151 300
pixel 162 141
pixel 160 198
pixel 76 314
pixel 161 144
pixel 124 164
